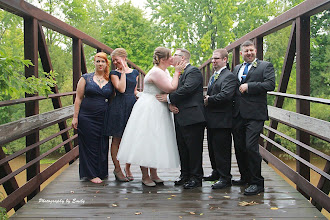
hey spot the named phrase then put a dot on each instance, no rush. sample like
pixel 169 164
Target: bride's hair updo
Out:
pixel 160 53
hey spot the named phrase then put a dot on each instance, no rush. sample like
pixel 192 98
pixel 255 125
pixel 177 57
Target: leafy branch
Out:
pixel 13 83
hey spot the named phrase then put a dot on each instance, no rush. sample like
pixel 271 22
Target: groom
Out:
pixel 188 107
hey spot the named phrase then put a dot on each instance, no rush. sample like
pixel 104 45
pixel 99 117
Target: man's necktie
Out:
pixel 245 71
pixel 212 78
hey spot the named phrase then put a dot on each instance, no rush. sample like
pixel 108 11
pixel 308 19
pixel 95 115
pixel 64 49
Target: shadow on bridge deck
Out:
pixel 67 197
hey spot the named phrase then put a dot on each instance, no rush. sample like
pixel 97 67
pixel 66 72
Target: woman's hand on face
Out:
pixel 180 67
pixel 124 66
pixel 75 123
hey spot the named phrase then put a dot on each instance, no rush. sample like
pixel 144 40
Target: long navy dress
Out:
pixel 93 146
pixel 121 106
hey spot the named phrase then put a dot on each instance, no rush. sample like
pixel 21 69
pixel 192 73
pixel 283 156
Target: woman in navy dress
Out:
pixel 94 91
pixel 124 80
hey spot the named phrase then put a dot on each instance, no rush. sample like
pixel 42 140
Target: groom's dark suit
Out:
pixel 219 123
pixel 190 122
pixel 250 112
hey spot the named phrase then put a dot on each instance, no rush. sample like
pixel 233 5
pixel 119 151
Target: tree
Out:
pixel 11 34
pixel 320 55
pixel 127 28
pixel 12 80
pixel 86 15
pixel 14 84
pixel 197 25
pixel 252 14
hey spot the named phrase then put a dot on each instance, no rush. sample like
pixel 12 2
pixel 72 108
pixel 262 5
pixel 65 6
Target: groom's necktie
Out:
pixel 245 71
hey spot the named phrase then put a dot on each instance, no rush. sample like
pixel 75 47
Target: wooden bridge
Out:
pixel 131 200
pixel 67 197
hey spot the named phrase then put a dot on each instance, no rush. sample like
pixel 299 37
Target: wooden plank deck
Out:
pixel 69 198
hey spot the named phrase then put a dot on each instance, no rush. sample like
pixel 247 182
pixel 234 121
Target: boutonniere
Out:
pixel 216 76
pixel 254 64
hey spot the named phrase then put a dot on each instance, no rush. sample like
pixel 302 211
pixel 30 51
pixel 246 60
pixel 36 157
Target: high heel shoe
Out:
pixel 151 184
pixel 120 179
pixel 130 178
pixel 158 181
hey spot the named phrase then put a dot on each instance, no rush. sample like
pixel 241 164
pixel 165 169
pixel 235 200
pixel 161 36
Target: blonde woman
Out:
pixel 124 80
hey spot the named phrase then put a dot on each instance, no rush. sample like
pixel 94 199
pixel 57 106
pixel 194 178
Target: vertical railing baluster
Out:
pixel 31 108
pixel 303 88
pixel 76 68
pixel 260 47
pixel 236 57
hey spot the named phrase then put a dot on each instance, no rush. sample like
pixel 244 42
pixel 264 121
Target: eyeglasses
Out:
pixel 216 58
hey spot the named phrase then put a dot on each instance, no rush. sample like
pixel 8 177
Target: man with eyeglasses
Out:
pixel 187 105
pixel 256 77
pixel 218 111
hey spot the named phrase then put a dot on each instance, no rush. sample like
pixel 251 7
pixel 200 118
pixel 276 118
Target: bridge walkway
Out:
pixel 69 198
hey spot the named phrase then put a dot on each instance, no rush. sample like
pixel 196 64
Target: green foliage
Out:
pixel 197 25
pixel 13 83
pixel 320 54
pixel 86 15
pixel 3 211
pixel 4 150
pixel 275 53
pixel 3 214
pixel 127 28
pixel 89 17
pixel 11 34
pixel 47 161
pixel 252 14
pixel 62 64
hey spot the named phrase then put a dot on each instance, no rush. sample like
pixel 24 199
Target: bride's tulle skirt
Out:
pixel 149 138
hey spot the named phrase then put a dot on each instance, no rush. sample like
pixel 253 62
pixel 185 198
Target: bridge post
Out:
pixel 236 56
pixel 258 42
pixel 208 73
pixel 83 61
pixel 31 108
pixel 303 88
pixel 260 47
pixel 76 68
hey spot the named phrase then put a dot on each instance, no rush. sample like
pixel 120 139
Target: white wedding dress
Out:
pixel 149 138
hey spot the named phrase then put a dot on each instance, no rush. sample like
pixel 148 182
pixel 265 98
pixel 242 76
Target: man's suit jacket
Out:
pixel 189 97
pixel 253 103
pixel 219 111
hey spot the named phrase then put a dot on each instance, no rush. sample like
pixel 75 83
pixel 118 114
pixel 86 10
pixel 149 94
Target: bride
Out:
pixel 149 138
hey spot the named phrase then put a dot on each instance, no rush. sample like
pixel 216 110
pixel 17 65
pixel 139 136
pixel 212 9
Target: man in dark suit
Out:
pixel 188 107
pixel 218 110
pixel 256 77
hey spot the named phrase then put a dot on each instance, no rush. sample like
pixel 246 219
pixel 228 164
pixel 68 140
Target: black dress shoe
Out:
pixel 212 177
pixel 181 180
pixel 239 182
pixel 221 184
pixel 253 190
pixel 192 183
